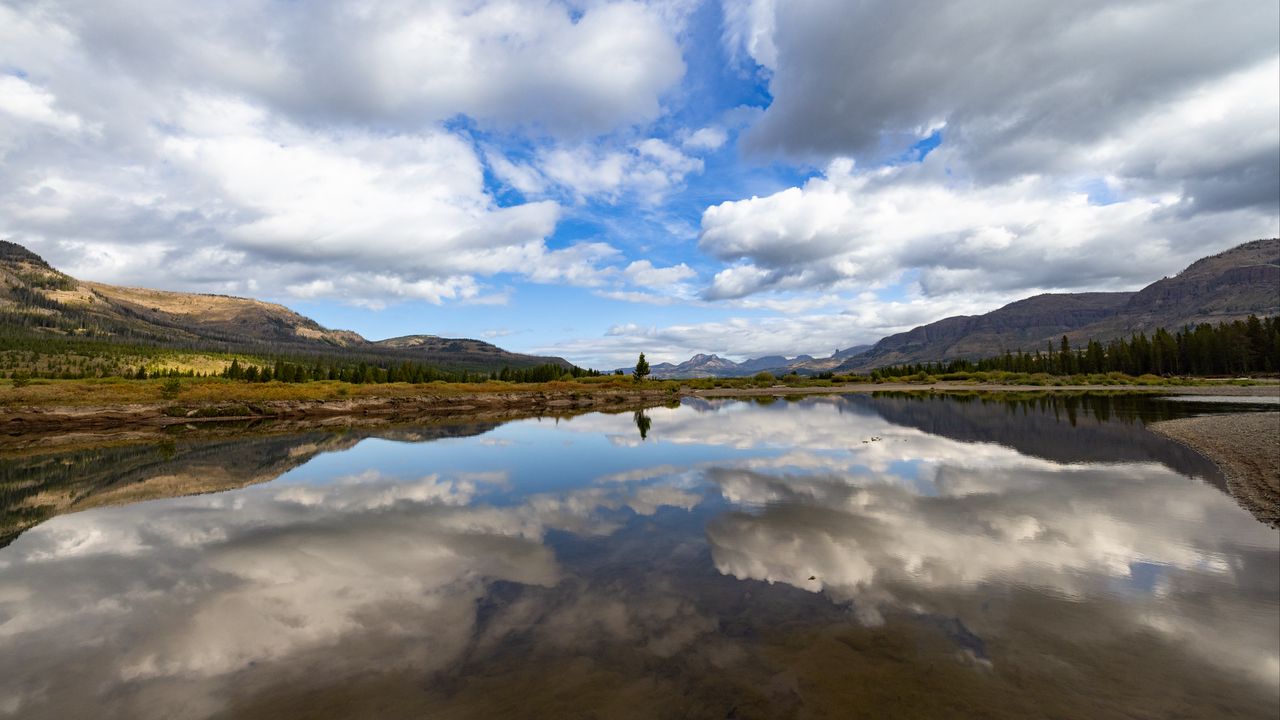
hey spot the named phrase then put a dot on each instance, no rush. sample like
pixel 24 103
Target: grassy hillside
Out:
pixel 53 325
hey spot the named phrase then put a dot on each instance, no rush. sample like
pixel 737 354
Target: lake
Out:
pixel 839 556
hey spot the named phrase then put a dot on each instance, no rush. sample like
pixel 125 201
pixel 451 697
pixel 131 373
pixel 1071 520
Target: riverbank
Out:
pixel 1246 447
pixel 47 427
pixel 1257 390
pixel 83 413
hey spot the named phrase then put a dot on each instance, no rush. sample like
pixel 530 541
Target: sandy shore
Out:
pixel 1246 447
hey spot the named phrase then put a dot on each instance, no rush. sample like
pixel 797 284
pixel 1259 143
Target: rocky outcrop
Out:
pixel 1224 287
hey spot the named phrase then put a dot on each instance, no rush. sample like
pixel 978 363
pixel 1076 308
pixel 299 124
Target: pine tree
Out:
pixel 642 369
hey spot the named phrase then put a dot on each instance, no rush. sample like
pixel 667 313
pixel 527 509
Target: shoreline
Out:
pixel 44 427
pixel 59 427
pixel 1262 390
pixel 1246 449
pixel 1244 446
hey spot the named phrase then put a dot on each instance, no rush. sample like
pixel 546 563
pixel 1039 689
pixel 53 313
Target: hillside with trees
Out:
pixel 1241 347
pixel 54 325
pixel 1226 287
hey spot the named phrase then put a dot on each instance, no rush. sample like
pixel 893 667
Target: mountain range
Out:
pixel 1228 286
pixel 37 299
pixel 1231 285
pixel 710 366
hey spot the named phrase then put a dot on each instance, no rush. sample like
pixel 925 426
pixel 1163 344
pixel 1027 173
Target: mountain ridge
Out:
pixel 36 298
pixel 709 365
pixel 1227 286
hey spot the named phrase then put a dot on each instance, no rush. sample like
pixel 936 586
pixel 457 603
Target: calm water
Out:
pixel 846 556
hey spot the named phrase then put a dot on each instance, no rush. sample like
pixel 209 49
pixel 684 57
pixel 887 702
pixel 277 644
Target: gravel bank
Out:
pixel 1246 446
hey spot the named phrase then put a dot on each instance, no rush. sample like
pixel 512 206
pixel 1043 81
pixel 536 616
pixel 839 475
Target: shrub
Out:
pixel 171 388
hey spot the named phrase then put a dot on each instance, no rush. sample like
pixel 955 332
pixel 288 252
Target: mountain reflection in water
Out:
pixel 845 556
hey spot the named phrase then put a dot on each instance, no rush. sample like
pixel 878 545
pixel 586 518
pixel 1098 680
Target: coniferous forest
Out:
pixel 33 356
pixel 1236 348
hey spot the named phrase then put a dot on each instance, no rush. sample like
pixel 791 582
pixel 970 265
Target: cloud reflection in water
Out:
pixel 174 607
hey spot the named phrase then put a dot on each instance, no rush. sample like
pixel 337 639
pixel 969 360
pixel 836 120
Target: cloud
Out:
pixel 396 63
pixel 646 171
pixel 644 274
pixel 797 331
pixel 1028 233
pixel 307 195
pixel 748 30
pixel 1168 108
pixel 1020 87
pixel 707 138
pixel 26 102
pixel 249 147
pixel 279 575
pixel 354 215
pixel 452 151
pixel 915 520
pixel 359 216
pixel 374 573
pixel 576 264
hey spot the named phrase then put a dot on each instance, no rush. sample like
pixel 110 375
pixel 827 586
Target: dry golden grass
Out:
pixel 107 392
pixel 207 307
pixel 115 391
pixel 207 364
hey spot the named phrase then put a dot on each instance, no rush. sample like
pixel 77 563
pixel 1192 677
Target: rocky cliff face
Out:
pixel 1224 287
pixel 1228 286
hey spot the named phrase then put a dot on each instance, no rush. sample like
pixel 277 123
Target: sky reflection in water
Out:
pixel 787 558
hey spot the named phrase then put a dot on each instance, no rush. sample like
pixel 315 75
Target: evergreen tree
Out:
pixel 642 369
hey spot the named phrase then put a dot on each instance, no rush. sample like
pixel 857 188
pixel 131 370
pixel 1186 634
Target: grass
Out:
pixel 113 364
pixel 100 392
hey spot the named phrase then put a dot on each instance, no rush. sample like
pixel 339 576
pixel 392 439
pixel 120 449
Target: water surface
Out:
pixel 845 556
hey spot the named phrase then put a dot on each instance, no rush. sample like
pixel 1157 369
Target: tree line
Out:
pixel 404 372
pixel 57 357
pixel 1240 347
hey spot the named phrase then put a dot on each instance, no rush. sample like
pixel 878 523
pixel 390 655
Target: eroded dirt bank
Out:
pixel 39 428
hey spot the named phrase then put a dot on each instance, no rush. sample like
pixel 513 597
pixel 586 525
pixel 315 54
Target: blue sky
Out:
pixel 597 178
